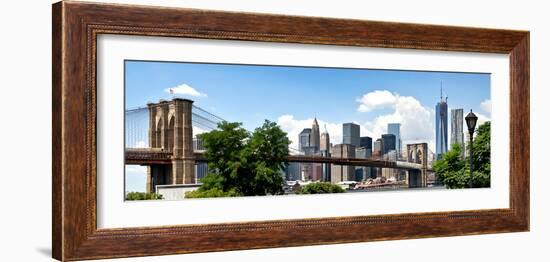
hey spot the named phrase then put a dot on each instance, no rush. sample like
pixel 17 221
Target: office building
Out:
pixel 292 171
pixel 350 134
pixel 324 147
pixel 314 139
pixel 377 148
pixel 342 173
pixel 441 128
pixel 457 131
pixel 363 173
pixel 395 129
pixel 388 143
pixel 366 142
pixel 304 139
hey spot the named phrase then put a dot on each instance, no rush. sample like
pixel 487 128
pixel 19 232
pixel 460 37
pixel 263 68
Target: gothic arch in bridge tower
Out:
pixel 170 130
pixel 170 133
pixel 159 133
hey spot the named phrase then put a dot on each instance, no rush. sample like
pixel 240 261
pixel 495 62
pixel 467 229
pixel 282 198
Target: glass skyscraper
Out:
pixel 441 128
pixel 366 142
pixel 388 143
pixel 351 134
pixel 395 129
pixel 304 139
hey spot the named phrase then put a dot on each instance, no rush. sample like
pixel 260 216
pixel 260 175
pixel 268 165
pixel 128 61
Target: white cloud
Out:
pixel 416 120
pixel 376 100
pixel 185 89
pixel 486 106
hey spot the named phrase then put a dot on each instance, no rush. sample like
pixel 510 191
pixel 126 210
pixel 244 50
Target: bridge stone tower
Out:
pixel 171 130
pixel 418 153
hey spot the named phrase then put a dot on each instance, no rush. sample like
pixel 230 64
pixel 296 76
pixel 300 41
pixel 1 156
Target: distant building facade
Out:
pixel 457 128
pixel 309 145
pixel 314 138
pixel 377 148
pixel 363 173
pixel 324 147
pixel 304 139
pixel 395 129
pixel 351 134
pixel 366 142
pixel 388 143
pixel 342 173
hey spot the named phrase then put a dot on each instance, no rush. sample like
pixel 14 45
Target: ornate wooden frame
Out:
pixel 76 26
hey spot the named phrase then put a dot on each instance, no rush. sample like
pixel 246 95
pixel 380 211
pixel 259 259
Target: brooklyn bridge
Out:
pixel 161 136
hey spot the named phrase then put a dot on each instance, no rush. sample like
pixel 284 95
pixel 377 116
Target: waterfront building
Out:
pixel 363 173
pixel 292 171
pixel 342 173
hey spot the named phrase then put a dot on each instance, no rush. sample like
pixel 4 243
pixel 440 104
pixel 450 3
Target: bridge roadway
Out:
pixel 154 156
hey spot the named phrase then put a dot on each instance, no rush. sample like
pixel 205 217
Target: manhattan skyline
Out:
pixel 294 96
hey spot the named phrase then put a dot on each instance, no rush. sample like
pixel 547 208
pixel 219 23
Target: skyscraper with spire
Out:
pixel 310 144
pixel 441 125
pixel 315 138
pixel 324 147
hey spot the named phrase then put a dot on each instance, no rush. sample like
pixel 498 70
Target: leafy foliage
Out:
pixel 242 163
pixel 320 188
pixel 213 192
pixel 142 196
pixel 454 172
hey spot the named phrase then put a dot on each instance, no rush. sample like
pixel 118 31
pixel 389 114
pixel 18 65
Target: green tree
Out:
pixel 320 188
pixel 213 192
pixel 223 153
pixel 142 196
pixel 454 172
pixel 482 149
pixel 242 163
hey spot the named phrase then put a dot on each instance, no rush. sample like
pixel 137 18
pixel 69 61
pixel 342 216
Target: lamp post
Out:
pixel 471 120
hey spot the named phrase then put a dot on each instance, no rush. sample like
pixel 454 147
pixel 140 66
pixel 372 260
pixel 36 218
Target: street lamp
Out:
pixel 471 120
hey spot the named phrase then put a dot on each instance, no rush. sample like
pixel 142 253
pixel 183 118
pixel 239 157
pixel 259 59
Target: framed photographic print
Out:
pixel 182 130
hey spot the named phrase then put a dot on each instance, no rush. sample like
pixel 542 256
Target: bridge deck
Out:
pixel 164 157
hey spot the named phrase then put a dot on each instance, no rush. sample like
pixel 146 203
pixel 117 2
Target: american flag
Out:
pixel 171 91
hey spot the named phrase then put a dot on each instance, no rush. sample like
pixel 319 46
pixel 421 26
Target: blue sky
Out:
pixel 293 96
pixel 328 93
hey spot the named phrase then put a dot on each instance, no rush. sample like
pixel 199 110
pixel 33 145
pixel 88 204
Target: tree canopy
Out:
pixel 320 188
pixel 243 163
pixel 454 171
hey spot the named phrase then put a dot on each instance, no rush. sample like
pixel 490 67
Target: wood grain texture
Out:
pixel 76 26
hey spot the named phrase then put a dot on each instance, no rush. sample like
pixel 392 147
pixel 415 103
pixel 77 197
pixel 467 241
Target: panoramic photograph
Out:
pixel 206 130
